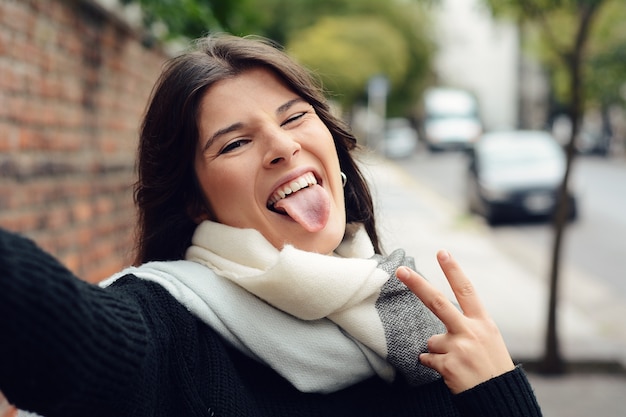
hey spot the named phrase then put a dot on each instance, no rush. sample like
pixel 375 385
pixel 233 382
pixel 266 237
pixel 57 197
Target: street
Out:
pixel 593 245
pixel 592 269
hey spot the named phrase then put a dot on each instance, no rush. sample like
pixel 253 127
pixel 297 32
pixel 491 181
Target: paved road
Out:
pixel 594 244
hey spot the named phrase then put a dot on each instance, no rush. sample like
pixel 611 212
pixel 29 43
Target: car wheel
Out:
pixel 432 148
pixel 491 215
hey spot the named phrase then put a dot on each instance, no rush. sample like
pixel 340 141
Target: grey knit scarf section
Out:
pixel 408 323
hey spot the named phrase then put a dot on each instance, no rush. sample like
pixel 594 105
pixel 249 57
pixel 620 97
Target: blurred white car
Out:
pixel 451 119
pixel 400 140
pixel 516 174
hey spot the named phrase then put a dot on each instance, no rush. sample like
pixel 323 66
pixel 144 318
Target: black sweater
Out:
pixel 69 348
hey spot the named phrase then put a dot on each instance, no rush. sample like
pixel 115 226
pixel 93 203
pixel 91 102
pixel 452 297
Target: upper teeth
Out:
pixel 293 186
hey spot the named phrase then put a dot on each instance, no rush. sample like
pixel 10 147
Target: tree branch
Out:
pixel 531 9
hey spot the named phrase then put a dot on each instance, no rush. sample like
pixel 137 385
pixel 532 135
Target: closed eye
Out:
pixel 294 118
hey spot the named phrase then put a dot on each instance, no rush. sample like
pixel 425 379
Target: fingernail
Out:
pixel 402 273
pixel 444 255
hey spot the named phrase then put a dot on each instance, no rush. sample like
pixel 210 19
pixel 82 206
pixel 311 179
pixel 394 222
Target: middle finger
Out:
pixel 462 287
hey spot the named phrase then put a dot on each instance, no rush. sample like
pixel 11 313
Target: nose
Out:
pixel 281 147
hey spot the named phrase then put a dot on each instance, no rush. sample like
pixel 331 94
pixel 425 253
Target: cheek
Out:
pixel 211 185
pixel 227 193
pixel 323 145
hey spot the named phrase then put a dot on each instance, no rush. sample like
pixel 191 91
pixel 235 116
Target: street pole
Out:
pixel 377 91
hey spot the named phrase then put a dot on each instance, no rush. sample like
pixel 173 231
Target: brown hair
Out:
pixel 167 194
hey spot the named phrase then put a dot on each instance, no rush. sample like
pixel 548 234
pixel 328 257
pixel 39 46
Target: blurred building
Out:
pixel 483 56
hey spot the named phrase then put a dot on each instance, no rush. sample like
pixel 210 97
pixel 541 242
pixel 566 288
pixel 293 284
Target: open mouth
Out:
pixel 304 181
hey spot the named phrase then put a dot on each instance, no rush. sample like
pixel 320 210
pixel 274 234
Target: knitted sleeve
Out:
pixel 508 395
pixel 63 340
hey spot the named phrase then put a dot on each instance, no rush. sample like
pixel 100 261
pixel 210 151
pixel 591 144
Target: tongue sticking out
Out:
pixel 310 207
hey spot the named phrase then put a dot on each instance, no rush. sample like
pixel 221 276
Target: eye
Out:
pixel 293 118
pixel 233 145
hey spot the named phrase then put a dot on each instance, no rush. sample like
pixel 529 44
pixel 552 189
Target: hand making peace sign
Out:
pixel 473 350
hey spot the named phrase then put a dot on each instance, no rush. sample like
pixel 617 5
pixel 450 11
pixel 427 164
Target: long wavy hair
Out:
pixel 167 193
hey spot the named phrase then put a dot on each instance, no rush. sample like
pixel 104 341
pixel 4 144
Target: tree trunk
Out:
pixel 552 362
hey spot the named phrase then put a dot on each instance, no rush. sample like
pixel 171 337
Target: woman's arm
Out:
pixel 509 394
pixel 66 344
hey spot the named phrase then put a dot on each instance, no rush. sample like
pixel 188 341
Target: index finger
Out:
pixel 462 287
pixel 432 298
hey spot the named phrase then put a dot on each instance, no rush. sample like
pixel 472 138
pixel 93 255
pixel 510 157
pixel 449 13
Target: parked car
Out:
pixel 591 139
pixel 450 119
pixel 515 175
pixel 400 140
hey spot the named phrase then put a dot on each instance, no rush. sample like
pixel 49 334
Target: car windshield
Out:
pixel 519 153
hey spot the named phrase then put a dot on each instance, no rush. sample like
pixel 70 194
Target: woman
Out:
pixel 260 287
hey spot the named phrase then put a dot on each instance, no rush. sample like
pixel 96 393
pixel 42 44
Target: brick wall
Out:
pixel 74 81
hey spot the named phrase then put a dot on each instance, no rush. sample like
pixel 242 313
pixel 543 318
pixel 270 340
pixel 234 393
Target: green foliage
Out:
pixel 191 19
pixel 551 28
pixel 347 51
pixel 397 19
pixel 405 20
pixel 606 63
pixel 346 40
pixel 411 20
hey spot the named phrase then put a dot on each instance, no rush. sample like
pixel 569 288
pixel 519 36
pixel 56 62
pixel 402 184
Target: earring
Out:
pixel 344 179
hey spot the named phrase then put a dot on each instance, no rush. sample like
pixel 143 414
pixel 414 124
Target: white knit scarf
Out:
pixel 323 322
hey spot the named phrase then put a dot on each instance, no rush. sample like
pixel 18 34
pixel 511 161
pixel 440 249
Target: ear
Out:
pixel 201 217
pixel 199 212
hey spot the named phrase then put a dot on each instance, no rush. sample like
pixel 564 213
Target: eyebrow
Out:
pixel 280 110
pixel 238 125
pixel 221 132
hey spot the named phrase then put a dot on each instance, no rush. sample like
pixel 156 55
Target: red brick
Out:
pixel 63 102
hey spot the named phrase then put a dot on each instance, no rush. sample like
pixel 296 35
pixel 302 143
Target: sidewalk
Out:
pixel 591 326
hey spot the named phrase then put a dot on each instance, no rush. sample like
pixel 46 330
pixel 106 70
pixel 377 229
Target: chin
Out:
pixel 319 242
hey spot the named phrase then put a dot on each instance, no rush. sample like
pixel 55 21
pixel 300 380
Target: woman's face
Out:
pixel 265 160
